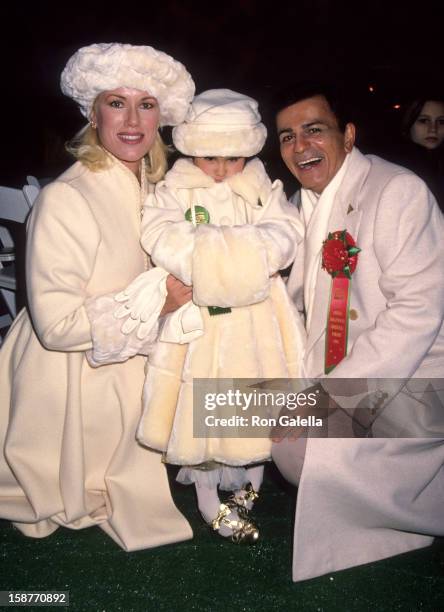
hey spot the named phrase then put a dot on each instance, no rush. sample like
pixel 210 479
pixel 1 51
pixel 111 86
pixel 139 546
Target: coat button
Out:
pixel 353 314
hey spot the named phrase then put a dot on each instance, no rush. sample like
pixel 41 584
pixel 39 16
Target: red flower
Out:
pixel 340 254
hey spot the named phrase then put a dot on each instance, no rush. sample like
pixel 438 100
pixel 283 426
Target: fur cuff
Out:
pixel 110 345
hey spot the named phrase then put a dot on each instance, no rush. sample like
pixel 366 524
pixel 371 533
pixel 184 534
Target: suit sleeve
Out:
pixel 63 239
pixel 408 245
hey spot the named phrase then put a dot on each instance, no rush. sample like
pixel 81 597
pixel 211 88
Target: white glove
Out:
pixel 109 345
pixel 142 302
pixel 183 325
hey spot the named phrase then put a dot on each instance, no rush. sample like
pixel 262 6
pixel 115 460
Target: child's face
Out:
pixel 220 168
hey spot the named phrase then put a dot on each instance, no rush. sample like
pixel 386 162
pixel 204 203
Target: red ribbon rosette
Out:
pixel 339 259
pixel 340 254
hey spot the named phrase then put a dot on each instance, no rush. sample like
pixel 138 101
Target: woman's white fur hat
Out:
pixel 107 66
pixel 222 123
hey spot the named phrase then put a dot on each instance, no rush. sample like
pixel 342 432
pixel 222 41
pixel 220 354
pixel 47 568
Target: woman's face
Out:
pixel 127 121
pixel 428 129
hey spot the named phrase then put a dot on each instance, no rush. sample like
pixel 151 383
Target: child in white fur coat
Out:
pixel 217 223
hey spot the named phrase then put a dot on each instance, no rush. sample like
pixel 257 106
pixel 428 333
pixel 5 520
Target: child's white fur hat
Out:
pixel 107 66
pixel 221 123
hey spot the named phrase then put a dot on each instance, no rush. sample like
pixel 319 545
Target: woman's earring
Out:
pixel 93 125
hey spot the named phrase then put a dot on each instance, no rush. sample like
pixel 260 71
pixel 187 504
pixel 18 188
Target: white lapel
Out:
pixel 346 214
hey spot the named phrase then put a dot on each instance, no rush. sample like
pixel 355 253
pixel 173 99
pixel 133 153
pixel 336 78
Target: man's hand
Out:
pixel 178 294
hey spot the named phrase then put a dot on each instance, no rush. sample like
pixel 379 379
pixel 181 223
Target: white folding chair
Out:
pixel 32 180
pixel 31 192
pixel 15 205
pixel 38 182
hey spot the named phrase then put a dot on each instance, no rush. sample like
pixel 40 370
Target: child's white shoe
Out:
pixel 233 520
pixel 245 498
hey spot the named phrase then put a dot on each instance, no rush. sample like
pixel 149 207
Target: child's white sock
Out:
pixel 209 503
pixel 255 476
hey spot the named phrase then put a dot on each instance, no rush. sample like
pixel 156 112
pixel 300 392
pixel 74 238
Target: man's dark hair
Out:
pixel 308 89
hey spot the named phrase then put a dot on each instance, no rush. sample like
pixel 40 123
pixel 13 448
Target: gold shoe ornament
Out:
pixel 244 496
pixel 243 529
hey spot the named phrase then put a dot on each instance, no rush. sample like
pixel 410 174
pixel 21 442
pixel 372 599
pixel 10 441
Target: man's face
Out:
pixel 312 145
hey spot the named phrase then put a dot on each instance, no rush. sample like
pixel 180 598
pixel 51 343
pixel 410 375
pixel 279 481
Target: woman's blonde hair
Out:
pixel 86 148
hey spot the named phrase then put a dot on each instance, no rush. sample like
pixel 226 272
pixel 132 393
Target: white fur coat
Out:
pixel 232 261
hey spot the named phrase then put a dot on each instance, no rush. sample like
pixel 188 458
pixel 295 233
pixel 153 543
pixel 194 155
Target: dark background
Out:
pixel 254 47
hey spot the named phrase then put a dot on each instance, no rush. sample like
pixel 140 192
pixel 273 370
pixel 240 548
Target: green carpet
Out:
pixel 211 574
